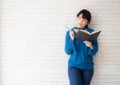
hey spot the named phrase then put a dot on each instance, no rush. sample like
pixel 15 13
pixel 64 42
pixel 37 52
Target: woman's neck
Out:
pixel 81 28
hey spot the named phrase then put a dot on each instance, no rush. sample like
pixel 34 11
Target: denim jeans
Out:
pixel 79 76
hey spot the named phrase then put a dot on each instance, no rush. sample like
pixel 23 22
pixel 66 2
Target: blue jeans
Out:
pixel 78 76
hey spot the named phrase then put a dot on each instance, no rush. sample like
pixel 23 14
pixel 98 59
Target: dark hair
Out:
pixel 85 15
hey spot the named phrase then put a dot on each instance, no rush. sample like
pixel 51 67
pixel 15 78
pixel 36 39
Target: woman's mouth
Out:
pixel 80 24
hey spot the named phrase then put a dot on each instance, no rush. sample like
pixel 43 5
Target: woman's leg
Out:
pixel 87 76
pixel 74 75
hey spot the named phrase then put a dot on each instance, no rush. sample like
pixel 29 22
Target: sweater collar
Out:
pixel 80 28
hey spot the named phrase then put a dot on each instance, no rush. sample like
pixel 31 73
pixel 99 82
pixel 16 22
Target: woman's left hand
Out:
pixel 88 43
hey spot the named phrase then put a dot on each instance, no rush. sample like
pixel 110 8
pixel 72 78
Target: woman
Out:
pixel 80 63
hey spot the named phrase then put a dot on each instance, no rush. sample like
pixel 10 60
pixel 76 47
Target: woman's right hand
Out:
pixel 71 34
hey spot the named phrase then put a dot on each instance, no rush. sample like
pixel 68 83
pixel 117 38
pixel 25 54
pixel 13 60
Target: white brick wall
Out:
pixel 32 40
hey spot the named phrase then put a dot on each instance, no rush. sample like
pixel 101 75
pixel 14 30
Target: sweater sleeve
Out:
pixel 93 51
pixel 69 44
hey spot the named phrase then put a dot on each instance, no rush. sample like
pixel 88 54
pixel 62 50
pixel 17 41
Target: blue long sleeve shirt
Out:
pixel 81 56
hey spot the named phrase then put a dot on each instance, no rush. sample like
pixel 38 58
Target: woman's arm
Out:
pixel 93 47
pixel 69 43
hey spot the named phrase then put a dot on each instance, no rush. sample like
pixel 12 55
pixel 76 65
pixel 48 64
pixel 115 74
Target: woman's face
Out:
pixel 81 22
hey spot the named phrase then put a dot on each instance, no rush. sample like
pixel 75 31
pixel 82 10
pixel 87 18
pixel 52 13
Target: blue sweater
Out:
pixel 81 56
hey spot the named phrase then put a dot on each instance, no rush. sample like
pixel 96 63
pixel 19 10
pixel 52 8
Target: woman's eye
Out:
pixel 85 20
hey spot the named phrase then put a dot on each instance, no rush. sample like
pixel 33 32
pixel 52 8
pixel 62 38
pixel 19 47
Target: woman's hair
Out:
pixel 85 15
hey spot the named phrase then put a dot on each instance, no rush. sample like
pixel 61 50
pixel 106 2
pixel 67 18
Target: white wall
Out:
pixel 32 40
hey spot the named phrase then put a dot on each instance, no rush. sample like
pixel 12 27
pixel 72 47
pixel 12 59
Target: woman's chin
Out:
pixel 80 26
